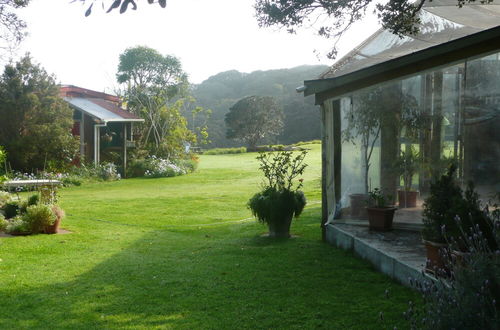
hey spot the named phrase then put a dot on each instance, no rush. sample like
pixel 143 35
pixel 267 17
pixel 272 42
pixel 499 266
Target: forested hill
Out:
pixel 220 92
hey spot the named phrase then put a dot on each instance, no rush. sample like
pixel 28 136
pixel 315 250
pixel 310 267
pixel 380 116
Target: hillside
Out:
pixel 220 92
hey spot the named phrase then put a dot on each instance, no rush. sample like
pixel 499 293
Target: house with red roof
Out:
pixel 100 122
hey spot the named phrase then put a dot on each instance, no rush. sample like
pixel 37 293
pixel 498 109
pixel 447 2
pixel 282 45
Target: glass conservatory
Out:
pixel 397 112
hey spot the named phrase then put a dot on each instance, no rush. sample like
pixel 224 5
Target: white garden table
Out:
pixel 30 183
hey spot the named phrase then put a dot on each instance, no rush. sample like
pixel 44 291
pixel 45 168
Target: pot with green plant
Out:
pixel 407 165
pixel 380 214
pixel 440 210
pixel 53 228
pixel 280 198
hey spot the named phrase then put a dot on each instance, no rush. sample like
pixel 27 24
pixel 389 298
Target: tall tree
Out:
pixel 35 125
pixel 154 87
pixel 253 118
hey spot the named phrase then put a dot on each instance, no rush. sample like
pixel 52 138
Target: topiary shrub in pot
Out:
pixel 440 209
pixel 280 198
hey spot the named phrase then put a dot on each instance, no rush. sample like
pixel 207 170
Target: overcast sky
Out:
pixel 208 37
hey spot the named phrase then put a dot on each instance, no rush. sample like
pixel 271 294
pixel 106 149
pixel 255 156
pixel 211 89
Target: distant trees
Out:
pixel 221 91
pixel 35 123
pixel 157 89
pixel 253 118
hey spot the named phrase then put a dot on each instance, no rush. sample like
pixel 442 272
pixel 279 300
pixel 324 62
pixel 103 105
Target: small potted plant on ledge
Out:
pixel 280 198
pixel 407 165
pixel 380 214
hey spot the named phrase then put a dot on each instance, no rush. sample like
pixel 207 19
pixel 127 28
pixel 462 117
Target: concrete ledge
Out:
pixel 382 258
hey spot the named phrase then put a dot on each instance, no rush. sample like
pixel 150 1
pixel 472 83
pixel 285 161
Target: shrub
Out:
pixel 107 172
pixel 38 217
pixel 3 223
pixel 155 167
pixel 33 199
pixel 222 151
pixel 440 208
pixel 469 297
pixel 11 209
pixel 72 180
pixel 5 197
pixel 301 143
pixel 189 165
pixel 18 226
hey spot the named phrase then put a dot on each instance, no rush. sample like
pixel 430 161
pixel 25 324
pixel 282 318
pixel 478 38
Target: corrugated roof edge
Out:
pixel 445 54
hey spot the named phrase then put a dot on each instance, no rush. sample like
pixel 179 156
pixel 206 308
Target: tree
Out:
pixel 156 88
pixel 372 111
pixel 334 18
pixel 12 27
pixel 35 125
pixel 253 118
pixel 124 5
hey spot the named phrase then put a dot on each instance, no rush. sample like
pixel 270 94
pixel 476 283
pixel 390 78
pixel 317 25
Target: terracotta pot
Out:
pixel 280 229
pixel 358 206
pixel 380 218
pixel 407 198
pixel 53 229
pixel 435 259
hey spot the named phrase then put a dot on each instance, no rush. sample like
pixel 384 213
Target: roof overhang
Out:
pixel 442 55
pixel 101 114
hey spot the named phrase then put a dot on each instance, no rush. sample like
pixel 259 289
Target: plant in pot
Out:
pixel 407 164
pixel 280 198
pixel 363 128
pixel 380 214
pixel 440 210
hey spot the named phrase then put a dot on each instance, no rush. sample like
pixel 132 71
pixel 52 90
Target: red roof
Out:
pixel 109 102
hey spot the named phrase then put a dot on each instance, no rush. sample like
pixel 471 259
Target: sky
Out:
pixel 207 36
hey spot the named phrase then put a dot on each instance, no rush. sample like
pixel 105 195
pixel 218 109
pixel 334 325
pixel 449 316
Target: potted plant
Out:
pixel 53 228
pixel 280 198
pixel 407 164
pixel 380 214
pixel 440 210
pixel 363 128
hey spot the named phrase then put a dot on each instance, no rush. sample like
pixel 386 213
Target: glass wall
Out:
pixel 400 136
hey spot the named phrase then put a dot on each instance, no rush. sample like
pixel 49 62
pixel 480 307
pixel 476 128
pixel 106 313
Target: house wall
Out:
pixel 88 128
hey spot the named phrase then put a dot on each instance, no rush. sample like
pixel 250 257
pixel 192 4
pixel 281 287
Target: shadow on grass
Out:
pixel 214 279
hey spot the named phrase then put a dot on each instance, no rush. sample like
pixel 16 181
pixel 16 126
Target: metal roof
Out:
pixel 101 110
pixel 443 26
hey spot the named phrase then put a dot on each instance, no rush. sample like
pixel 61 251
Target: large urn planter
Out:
pixel 358 206
pixel 280 229
pixel 380 218
pixel 280 199
pixel 407 198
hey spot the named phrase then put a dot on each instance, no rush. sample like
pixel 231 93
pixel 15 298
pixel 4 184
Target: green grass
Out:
pixel 170 254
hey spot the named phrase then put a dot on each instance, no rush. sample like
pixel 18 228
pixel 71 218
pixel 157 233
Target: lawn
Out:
pixel 183 253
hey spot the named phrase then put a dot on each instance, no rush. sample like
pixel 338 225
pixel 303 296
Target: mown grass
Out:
pixel 172 254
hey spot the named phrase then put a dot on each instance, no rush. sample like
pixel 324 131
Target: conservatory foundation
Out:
pixel 400 253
